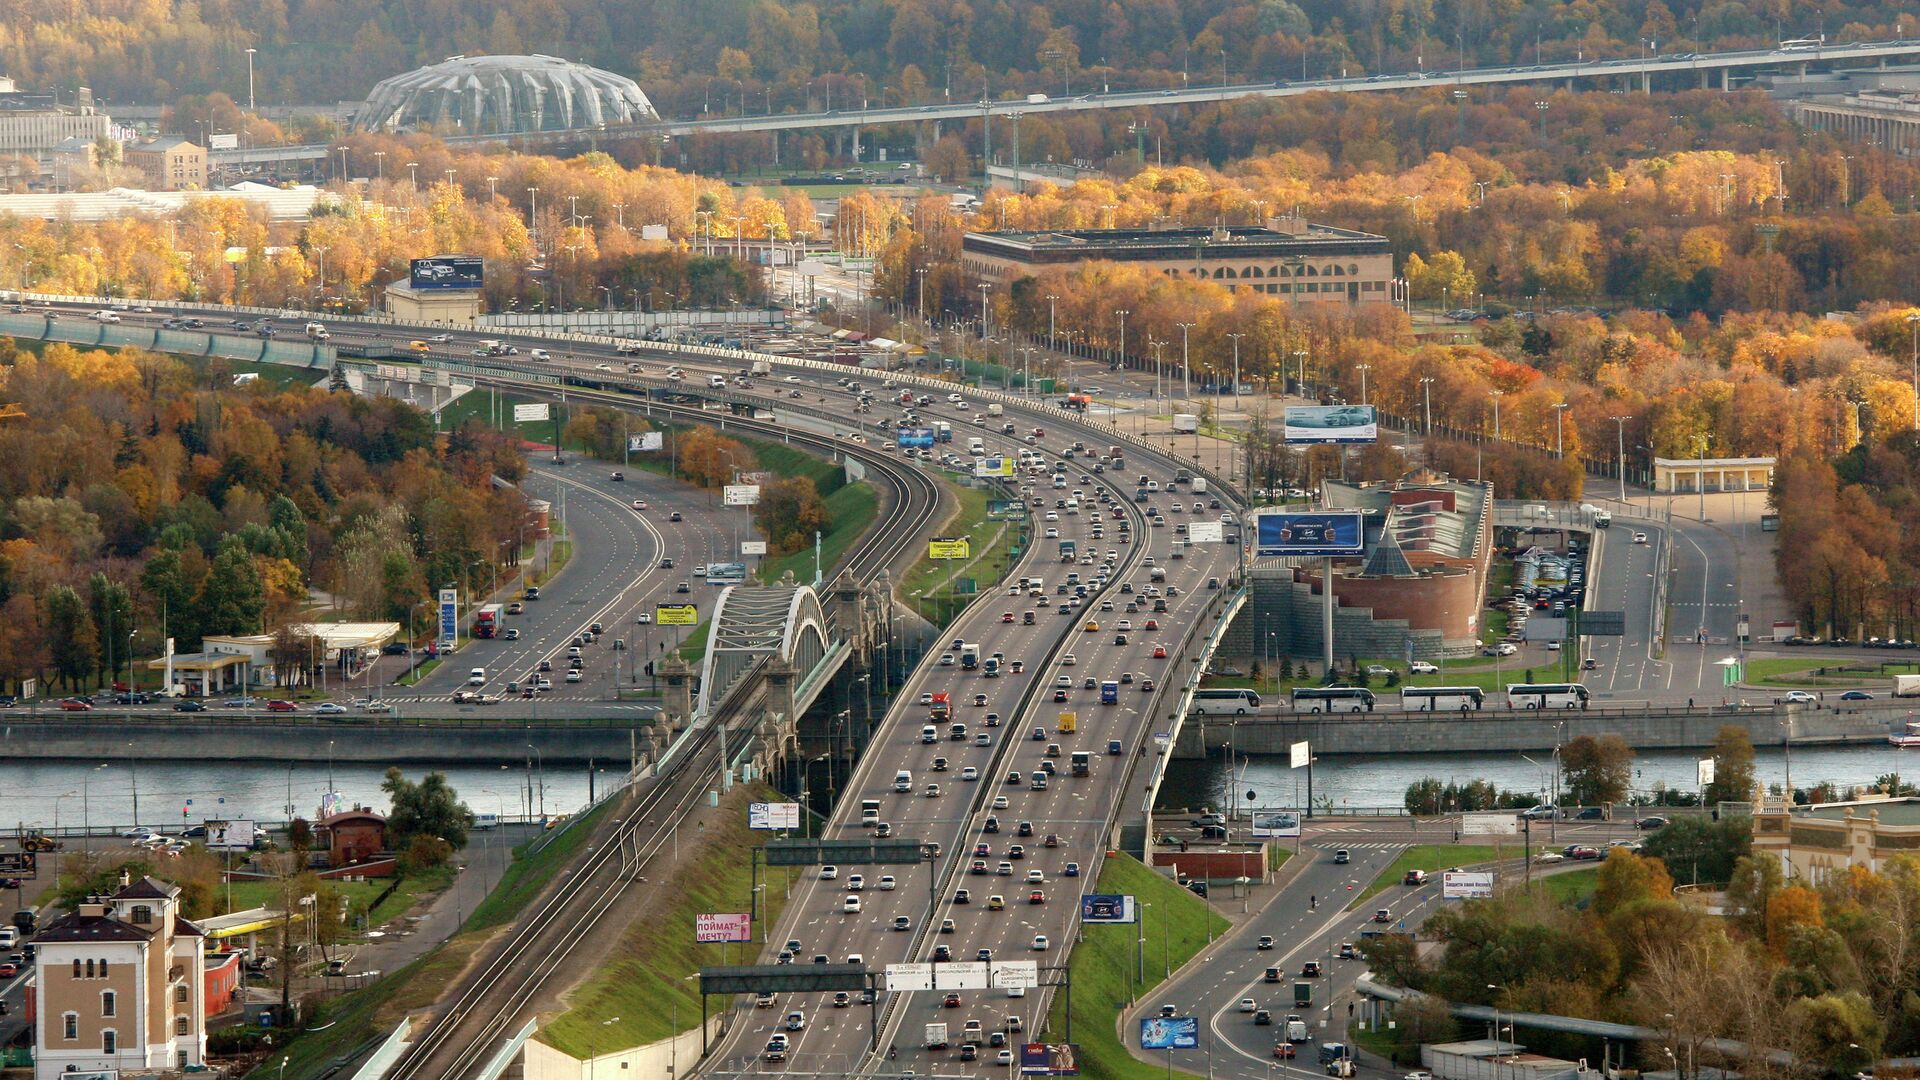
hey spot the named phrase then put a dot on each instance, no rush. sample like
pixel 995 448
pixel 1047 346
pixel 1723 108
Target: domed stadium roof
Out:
pixel 496 95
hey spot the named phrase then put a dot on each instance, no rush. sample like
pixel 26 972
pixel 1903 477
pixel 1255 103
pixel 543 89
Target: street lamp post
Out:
pixel 1120 358
pixel 1559 442
pixel 1186 368
pixel 1363 369
pixel 1913 324
pixel 1236 364
pixel 250 106
pixel 1426 397
pixel 1620 434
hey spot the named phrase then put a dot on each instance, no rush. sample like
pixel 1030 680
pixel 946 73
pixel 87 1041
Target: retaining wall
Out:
pixel 358 743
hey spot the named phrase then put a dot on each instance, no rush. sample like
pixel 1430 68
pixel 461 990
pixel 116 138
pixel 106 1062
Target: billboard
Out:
pixel 449 614
pixel 20 864
pixel 914 437
pixel 676 614
pixel 1300 754
pixel 1207 532
pixel 1331 424
pixel 1049 1059
pixel 229 835
pixel 949 548
pixel 523 414
pixel 653 232
pixel 993 466
pixel 740 495
pixel 1490 824
pixel 1338 533
pixel 1002 509
pixel 1107 908
pixel 447 272
pixel 1169 1033
pixel 737 926
pixel 223 142
pixel 646 440
pixel 753 547
pixel 1268 824
pixel 1460 885
pixel 776 816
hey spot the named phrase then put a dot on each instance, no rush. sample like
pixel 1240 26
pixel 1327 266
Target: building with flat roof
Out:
pixel 1690 476
pixel 1815 842
pixel 170 163
pixel 1286 257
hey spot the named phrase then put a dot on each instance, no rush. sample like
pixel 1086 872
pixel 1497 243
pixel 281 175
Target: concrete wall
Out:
pixel 376 744
pixel 1282 618
pixel 1502 731
pixel 655 1061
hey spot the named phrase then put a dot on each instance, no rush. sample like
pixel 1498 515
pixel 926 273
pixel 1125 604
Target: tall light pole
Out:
pixel 1426 397
pixel 250 53
pixel 1363 369
pixel 413 175
pixel 1620 433
pixel 1236 363
pixel 1559 443
pixel 1186 369
pixel 1913 324
pixel 1701 482
pixel 1121 357
pixel 1496 395
pixel 1053 299
pixel 1300 355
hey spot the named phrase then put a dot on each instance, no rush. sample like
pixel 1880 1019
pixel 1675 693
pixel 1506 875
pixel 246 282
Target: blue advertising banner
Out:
pixel 447 272
pixel 1338 533
pixel 1107 907
pixel 449 615
pixel 1170 1033
pixel 915 437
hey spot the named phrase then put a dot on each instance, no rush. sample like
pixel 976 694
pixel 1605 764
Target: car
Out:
pixel 1040 943
pixel 850 905
pixel 1639 538
pixel 1284 1050
pixel 1583 851
pixel 1648 824
pixel 1248 1005
pixel 75 705
pixel 970 773
pixel 856 882
pixel 675 516
pixel 1856 695
pixel 1382 915
pixel 1265 942
pixel 901 922
pixel 1549 857
pixel 281 705
pixel 329 708
pixel 1310 969
pixel 1422 667
pixel 1800 697
pixel 1159 652
pixel 829 873
pixel 376 706
pixel 1348 952
pixel 1591 813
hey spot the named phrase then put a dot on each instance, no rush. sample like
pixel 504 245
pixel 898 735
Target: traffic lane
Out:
pixel 1625 583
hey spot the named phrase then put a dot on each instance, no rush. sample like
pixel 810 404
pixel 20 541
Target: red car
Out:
pixel 1006 616
pixel 952 1001
pixel 1036 897
pixel 277 705
pixel 1283 1050
pixel 75 705
pixel 1159 652
pixel 1152 624
pixel 8 969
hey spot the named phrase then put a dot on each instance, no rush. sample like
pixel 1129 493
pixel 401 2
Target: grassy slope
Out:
pixel 644 975
pixel 1102 961
pixel 1429 857
pixel 990 540
pixel 528 873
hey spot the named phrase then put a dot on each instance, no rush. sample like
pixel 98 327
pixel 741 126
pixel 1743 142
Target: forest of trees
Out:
pixel 691 55
pixel 140 497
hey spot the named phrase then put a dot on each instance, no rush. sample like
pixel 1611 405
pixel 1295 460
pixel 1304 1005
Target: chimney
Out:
pixel 126 879
pixel 96 911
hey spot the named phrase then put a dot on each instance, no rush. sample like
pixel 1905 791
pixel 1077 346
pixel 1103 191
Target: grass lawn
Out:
pixel 1104 970
pixel 343 1027
pixel 476 404
pixel 1571 887
pixel 1429 857
pixel 421 672
pixel 253 894
pixel 528 873
pixel 852 510
pixel 643 979
pixel 1811 671
pixel 1499 583
pixel 695 645
pixel 281 376
pixel 991 541
pixel 557 558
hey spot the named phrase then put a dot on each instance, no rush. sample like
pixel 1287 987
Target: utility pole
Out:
pixel 1186 369
pixel 1236 365
pixel 1620 433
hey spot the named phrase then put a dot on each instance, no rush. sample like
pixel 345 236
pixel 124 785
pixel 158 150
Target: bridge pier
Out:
pixel 676 703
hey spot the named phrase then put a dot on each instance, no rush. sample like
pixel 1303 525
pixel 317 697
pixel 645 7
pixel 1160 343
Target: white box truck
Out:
pixel 996 410
pixel 936 1036
pixel 1906 686
pixel 1036 99
pixel 763 367
pixel 1199 485
pixel 1186 423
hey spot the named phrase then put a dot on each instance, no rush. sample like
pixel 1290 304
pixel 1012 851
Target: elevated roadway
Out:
pixel 1641 70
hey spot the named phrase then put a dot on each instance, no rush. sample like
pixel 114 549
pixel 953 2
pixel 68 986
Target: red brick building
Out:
pixel 351 836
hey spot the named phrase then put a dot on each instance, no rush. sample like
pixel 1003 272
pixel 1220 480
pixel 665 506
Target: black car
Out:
pixel 1590 813
pixel 394 648
pixel 188 706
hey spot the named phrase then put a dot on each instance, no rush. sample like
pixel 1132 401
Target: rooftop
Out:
pixel 1890 811
pixel 1281 236
pixel 281 204
pixel 78 928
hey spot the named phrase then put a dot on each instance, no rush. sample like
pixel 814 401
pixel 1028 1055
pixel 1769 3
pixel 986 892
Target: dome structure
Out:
pixel 498 95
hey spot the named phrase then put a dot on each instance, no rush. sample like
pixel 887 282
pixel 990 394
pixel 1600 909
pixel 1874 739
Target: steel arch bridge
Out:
pixel 754 622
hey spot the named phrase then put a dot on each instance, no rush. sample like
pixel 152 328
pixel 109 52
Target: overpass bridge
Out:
pixel 1705 68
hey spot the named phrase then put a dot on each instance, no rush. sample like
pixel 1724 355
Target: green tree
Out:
pixel 1423 796
pixel 1697 849
pixel 73 643
pixel 430 808
pixel 110 606
pixel 1840 1031
pixel 1733 774
pixel 234 598
pixel 285 517
pixel 1626 879
pixel 1752 883
pixel 1598 771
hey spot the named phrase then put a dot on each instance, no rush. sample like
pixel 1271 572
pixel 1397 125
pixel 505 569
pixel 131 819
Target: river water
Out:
pixel 50 793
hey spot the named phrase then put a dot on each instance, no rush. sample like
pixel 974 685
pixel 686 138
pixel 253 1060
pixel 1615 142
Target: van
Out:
pixel 903 780
pixel 477 677
pixel 317 331
pixel 717 382
pixel 9 937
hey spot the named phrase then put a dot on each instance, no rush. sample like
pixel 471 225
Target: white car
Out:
pixel 329 708
pixel 793 378
pixel 376 707
pixel 1639 538
pixel 139 832
pixel 969 773
pixel 887 883
pixel 926 697
pixel 639 504
pixel 850 906
pixel 1067 660
pixel 1549 857
pixel 1248 1005
pixel 856 882
pixel 441 339
pixel 1800 697
pixel 645 618
pixel 1422 667
pixel 1040 943
pixel 828 873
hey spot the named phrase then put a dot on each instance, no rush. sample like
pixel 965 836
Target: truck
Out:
pixel 936 1036
pixel 1067 722
pixel 486 621
pixel 970 656
pixel 1296 1029
pixel 977 447
pixel 942 431
pixel 1076 401
pixel 1037 99
pixel 996 410
pixel 1906 686
pixel 1186 423
pixel 762 367
pixel 1069 550
pixel 317 332
pixel 942 706
pixel 963 203
pixel 1082 763
pixel 1302 994
pixel 1199 485
pixel 1110 692
pixel 1603 520
pixel 1116 457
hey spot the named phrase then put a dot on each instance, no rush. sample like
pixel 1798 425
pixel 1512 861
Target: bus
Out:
pixel 1318 699
pixel 727 573
pixel 1441 698
pixel 1237 702
pixel 1800 45
pixel 1546 696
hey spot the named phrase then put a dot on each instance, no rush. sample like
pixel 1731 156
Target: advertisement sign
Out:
pixel 1490 824
pixel 1207 532
pixel 1460 885
pixel 1107 908
pixel 447 272
pixel 653 232
pixel 949 548
pixel 229 835
pixel 20 864
pixel 1049 1059
pixel 740 495
pixel 1300 754
pixel 223 142
pixel 773 817
pixel 993 466
pixel 918 438
pixel 676 615
pixel 731 927
pixel 1002 509
pixel 1703 771
pixel 1331 424
pixel 1337 533
pixel 523 414
pixel 449 614
pixel 753 547
pixel 1268 824
pixel 1170 1033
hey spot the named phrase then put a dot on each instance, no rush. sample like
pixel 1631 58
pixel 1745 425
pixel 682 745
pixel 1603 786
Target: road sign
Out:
pixel 1460 885
pixel 1331 424
pixel 753 547
pixel 1169 1033
pixel 1308 534
pixel 1491 824
pixel 736 926
pixel 676 614
pixel 949 548
pixel 909 978
pixel 1604 623
pixel 449 614
pixel 526 414
pixel 1300 754
pixel 1544 628
pixel 1206 532
pixel 782 978
pixel 843 852
pixel 740 495
pixel 1107 908
pixel 782 816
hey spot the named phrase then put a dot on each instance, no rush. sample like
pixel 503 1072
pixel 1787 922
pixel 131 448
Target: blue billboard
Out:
pixel 1338 533
pixel 915 437
pixel 1107 907
pixel 447 272
pixel 1331 424
pixel 449 615
pixel 1170 1033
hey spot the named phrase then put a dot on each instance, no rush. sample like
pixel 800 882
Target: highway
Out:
pixel 1701 66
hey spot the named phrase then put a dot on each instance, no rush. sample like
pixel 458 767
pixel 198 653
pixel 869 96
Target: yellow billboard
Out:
pixel 949 549
pixel 676 614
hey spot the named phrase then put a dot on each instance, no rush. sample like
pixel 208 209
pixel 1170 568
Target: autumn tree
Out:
pixel 1599 771
pixel 790 513
pixel 709 458
pixel 1733 770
